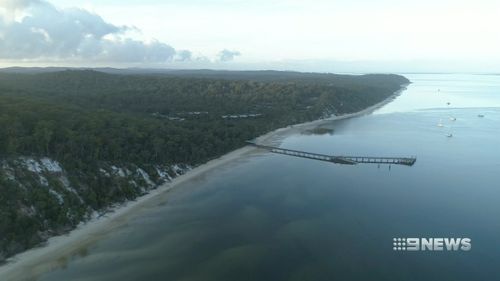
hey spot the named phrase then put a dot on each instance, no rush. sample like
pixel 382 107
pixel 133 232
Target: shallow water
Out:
pixel 274 217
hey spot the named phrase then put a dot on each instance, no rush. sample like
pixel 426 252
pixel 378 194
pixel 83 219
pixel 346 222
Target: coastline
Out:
pixel 32 263
pixel 276 135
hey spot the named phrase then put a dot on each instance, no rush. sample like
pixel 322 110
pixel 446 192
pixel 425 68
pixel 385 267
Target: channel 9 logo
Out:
pixel 431 244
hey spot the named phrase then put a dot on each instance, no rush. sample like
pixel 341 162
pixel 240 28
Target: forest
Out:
pixel 93 121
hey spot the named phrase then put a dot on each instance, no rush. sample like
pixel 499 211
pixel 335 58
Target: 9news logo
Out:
pixel 431 244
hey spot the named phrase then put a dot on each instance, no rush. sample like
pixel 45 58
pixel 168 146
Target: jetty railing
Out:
pixel 346 160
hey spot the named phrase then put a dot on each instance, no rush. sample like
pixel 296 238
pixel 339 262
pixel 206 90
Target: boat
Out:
pixel 449 135
pixel 480 115
pixel 453 118
pixel 440 124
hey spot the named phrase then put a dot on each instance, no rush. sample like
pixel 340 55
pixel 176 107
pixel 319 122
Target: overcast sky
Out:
pixel 313 35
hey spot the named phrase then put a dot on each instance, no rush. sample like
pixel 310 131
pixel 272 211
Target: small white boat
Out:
pixel 453 118
pixel 440 124
pixel 449 135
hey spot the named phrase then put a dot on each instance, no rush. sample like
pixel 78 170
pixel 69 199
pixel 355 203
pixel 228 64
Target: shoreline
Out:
pixel 32 263
pixel 297 128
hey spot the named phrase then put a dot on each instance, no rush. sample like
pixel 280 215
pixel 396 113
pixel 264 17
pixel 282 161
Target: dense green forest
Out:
pixel 98 124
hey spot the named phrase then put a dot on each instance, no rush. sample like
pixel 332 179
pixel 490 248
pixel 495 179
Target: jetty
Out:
pixel 345 160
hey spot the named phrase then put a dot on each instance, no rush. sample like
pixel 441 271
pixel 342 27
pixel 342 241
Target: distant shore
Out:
pixel 34 262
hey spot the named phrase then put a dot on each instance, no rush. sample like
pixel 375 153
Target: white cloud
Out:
pixel 227 55
pixel 33 30
pixel 183 55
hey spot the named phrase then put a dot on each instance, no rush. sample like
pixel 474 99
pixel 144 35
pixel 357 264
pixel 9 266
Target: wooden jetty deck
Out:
pixel 346 160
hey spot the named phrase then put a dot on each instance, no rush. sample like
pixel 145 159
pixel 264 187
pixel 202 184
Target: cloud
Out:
pixel 47 33
pixel 17 4
pixel 227 55
pixel 183 55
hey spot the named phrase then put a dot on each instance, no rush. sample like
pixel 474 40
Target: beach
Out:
pixel 32 263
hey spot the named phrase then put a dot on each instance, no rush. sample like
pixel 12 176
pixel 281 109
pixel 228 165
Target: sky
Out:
pixel 313 35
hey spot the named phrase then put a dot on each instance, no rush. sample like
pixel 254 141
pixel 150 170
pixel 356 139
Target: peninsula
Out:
pixel 76 143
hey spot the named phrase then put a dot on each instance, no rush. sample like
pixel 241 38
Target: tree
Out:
pixel 44 130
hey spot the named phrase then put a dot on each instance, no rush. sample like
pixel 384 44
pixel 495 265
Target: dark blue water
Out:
pixel 274 217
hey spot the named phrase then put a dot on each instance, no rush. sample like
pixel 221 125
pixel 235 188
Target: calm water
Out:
pixel 273 217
